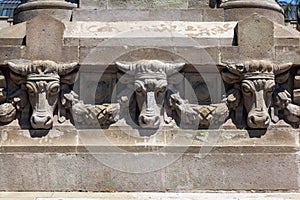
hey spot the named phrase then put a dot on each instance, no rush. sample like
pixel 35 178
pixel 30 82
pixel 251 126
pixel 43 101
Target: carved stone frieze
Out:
pixel 46 86
pixel 257 96
pixel 149 81
pixel 45 83
pixel 199 116
pixel 256 86
pixel 7 108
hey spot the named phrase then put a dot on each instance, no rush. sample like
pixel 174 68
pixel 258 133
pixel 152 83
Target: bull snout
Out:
pixel 149 121
pixel 258 120
pixel 41 121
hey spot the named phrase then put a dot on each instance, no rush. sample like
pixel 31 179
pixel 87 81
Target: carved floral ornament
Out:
pixel 258 89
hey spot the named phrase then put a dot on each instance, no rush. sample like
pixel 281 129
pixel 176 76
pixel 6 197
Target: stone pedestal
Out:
pixel 172 160
pixel 56 8
pixel 236 10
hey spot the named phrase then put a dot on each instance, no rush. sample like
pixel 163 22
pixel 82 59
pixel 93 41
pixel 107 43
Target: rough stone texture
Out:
pixel 288 54
pixel 13 35
pixel 103 4
pixel 213 15
pixel 44 41
pixel 237 171
pixel 255 36
pixel 235 163
pixel 99 4
pixel 69 158
pixel 114 15
pixel 198 4
pixel 11 52
pixel 113 4
pixel 95 55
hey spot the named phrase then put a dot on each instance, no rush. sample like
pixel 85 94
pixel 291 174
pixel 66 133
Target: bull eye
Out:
pixel 53 88
pixel 246 89
pixel 270 90
pixel 162 90
pixel 31 89
pixel 139 90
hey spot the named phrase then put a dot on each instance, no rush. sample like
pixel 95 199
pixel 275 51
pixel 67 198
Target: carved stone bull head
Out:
pixel 150 79
pixel 256 80
pixel 43 80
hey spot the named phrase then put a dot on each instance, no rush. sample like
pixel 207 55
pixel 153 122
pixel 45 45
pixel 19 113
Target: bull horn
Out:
pixel 173 68
pixel 64 69
pixel 124 67
pixel 21 69
pixel 281 68
pixel 236 69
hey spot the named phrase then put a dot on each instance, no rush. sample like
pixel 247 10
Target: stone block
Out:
pixel 13 35
pixel 146 4
pixel 113 161
pixel 230 54
pixel 99 4
pixel 110 15
pixel 44 41
pixel 198 3
pixel 255 37
pixel 10 53
pixel 114 15
pixel 97 88
pixel 70 54
pixel 98 175
pixel 237 171
pixel 213 15
pixel 287 54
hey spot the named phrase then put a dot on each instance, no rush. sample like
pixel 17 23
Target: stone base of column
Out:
pixel 236 10
pixel 58 9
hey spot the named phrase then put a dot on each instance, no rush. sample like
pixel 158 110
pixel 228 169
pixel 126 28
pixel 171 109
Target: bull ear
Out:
pixel 173 68
pixel 20 69
pixel 229 77
pixel 17 78
pixel 69 78
pixel 175 78
pixel 281 68
pixel 65 69
pixel 283 77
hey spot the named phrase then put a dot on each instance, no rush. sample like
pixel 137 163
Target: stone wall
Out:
pixel 148 99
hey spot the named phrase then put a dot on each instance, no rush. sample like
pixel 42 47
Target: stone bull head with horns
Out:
pixel 150 79
pixel 255 81
pixel 43 80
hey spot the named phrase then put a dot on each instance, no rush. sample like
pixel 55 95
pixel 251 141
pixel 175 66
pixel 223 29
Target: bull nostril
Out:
pixel 41 122
pixel 48 120
pixel 267 120
pixel 149 122
pixel 252 120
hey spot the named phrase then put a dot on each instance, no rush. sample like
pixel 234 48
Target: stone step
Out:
pixel 144 14
pixel 144 196
pixel 112 4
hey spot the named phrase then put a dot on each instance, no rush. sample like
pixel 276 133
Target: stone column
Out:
pixel 236 10
pixel 58 9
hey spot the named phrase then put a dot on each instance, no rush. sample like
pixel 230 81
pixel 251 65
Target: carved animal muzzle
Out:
pixel 43 99
pixel 149 117
pixel 257 100
pixel 258 79
pixel 43 79
pixel 150 79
